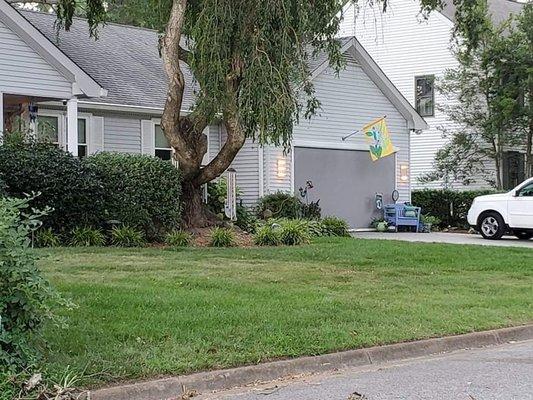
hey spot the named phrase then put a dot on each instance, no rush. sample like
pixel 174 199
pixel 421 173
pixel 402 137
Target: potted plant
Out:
pixel 430 222
pixel 380 225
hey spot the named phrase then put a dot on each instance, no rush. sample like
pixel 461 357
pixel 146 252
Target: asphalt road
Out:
pixel 503 372
pixel 445 237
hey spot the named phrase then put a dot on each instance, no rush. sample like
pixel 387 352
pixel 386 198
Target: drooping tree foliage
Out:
pixel 492 97
pixel 250 60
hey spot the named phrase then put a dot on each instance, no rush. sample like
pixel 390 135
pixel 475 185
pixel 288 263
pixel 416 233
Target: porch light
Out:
pixel 282 168
pixel 404 173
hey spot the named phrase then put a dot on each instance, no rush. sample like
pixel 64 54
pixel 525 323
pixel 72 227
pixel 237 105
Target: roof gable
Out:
pixel 500 10
pixel 352 47
pixel 83 84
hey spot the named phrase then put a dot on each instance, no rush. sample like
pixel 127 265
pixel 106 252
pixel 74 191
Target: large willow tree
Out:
pixel 249 58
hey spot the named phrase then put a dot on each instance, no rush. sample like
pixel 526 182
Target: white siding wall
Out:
pixel 405 45
pixel 349 102
pixel 23 71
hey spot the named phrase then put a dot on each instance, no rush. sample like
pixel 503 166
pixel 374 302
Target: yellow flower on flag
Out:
pixel 378 138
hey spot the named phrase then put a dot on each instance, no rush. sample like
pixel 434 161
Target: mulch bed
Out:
pixel 202 237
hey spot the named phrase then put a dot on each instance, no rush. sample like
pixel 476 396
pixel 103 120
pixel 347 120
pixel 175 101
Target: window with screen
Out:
pixel 425 95
pixel 162 147
pixel 48 129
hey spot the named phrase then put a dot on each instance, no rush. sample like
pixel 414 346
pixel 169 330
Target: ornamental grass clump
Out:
pixel 178 239
pixel 268 235
pixel 86 236
pixel 293 232
pixel 334 226
pixel 45 237
pixel 127 236
pixel 222 237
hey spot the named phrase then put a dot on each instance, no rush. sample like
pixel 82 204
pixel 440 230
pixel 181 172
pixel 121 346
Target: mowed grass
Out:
pixel 151 312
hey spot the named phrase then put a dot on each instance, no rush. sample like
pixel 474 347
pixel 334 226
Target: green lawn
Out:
pixel 151 312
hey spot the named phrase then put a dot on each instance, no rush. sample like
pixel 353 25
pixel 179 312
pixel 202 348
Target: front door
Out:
pixel 521 208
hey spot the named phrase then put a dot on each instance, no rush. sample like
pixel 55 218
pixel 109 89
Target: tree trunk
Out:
pixel 195 213
pixel 186 133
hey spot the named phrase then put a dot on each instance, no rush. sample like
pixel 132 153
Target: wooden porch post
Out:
pixel 72 126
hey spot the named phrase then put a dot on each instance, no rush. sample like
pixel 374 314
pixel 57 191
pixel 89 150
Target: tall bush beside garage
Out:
pixel 65 184
pixel 139 191
pixel 450 206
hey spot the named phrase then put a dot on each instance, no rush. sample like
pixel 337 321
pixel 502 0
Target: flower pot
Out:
pixel 382 227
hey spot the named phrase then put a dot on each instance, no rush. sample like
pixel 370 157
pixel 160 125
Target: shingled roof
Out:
pixel 500 10
pixel 124 60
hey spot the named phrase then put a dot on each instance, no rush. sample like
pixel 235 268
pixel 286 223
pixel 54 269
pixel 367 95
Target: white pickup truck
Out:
pixel 494 215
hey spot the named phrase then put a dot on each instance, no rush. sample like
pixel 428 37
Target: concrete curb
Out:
pixel 171 388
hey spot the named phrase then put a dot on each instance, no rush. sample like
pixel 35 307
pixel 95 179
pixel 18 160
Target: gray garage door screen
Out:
pixel 345 181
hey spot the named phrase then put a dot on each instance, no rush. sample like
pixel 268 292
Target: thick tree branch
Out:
pixel 184 55
pixel 226 155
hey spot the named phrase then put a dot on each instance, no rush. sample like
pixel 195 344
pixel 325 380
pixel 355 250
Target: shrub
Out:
pixel 127 236
pixel 178 239
pixel 45 237
pixel 268 235
pixel 83 237
pixel 311 210
pixel 140 191
pixel 449 206
pixel 334 226
pixel 279 205
pixel 26 298
pixel 222 237
pixel 66 184
pixel 315 228
pixel 246 220
pixel 293 232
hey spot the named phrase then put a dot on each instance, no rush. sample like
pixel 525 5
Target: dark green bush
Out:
pixel 71 188
pixel 268 235
pixel 140 191
pixel 279 205
pixel 86 236
pixel 178 238
pixel 26 298
pixel 127 236
pixel 222 237
pixel 449 206
pixel 45 237
pixel 334 226
pixel 246 219
pixel 311 210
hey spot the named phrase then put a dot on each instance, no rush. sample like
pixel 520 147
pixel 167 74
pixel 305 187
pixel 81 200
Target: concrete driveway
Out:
pixel 445 237
pixel 497 373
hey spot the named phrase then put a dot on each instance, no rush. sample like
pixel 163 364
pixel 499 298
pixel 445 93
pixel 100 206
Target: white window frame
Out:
pixel 156 122
pixel 62 126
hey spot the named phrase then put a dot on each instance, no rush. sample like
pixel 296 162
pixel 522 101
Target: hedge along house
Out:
pixel 125 62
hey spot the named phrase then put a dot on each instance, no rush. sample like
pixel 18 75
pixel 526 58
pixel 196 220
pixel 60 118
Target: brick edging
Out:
pixel 168 388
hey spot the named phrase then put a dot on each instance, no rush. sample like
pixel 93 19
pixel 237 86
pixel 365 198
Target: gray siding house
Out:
pixel 108 95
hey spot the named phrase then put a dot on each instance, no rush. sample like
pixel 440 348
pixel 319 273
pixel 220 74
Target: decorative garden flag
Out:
pixel 378 138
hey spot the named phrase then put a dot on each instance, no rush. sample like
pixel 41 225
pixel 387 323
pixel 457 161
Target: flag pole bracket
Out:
pixel 357 131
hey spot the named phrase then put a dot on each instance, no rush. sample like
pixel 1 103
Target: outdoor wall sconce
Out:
pixel 404 173
pixel 282 168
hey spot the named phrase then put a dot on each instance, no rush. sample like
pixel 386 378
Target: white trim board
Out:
pixel 340 145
